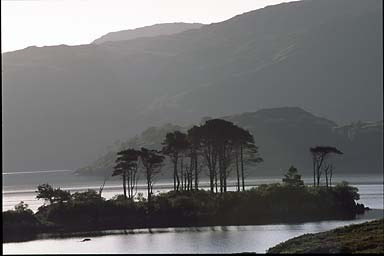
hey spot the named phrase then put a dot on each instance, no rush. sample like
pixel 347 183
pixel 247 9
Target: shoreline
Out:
pixel 366 237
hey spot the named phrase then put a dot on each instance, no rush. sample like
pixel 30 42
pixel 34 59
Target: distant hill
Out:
pixel 63 104
pixel 148 31
pixel 284 136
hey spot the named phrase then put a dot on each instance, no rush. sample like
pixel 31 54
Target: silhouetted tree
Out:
pixel 319 155
pixel 102 185
pixel 152 161
pixel 22 207
pixel 248 151
pixel 195 154
pixel 205 135
pixel 328 170
pixel 293 178
pixel 174 145
pixel 127 166
pixel 216 137
pixel 46 192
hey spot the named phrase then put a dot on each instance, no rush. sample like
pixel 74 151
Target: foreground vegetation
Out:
pixel 362 238
pixel 275 203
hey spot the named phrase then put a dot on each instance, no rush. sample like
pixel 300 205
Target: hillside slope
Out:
pixel 70 101
pixel 284 136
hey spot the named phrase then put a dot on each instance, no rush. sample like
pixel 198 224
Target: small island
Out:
pixel 267 204
pixel 361 238
pixel 217 148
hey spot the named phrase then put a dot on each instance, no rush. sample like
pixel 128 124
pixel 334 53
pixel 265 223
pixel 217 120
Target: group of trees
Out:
pixel 217 146
pixel 128 163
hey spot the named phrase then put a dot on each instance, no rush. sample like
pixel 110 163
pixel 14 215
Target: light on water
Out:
pixel 230 239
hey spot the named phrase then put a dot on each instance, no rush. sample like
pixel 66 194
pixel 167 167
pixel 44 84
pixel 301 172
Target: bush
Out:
pixel 89 195
pixel 20 219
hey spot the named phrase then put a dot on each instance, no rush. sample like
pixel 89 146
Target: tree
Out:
pixel 328 170
pixel 293 178
pixel 216 137
pixel 152 161
pixel 102 185
pixel 174 145
pixel 46 192
pixel 127 166
pixel 205 135
pixel 247 151
pixel 194 154
pixel 22 207
pixel 319 155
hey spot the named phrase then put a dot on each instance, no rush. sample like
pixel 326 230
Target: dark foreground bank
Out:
pixel 267 204
pixel 361 238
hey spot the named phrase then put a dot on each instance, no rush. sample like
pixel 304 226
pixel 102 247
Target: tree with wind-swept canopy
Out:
pixel 319 156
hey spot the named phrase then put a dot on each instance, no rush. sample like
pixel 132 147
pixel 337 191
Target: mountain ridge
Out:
pixel 147 31
pixel 70 101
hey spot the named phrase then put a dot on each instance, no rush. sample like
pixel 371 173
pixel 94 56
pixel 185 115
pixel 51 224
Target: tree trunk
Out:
pixel 215 180
pixel 182 173
pixel 185 179
pixel 314 171
pixel 242 166
pixel 174 174
pixel 196 175
pixel 318 177
pixel 237 172
pixel 149 191
pixel 128 185
pixel 124 185
pixel 221 175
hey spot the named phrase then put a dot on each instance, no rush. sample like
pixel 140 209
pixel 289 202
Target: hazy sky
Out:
pixel 51 22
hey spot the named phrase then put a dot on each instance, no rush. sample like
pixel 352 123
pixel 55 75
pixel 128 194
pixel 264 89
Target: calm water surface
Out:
pixel 230 239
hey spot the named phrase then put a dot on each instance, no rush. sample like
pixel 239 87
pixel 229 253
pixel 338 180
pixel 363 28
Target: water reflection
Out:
pixel 217 239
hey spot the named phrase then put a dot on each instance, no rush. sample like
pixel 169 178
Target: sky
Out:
pixel 72 22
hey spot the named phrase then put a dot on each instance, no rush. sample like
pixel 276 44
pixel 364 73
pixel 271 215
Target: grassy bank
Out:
pixel 361 238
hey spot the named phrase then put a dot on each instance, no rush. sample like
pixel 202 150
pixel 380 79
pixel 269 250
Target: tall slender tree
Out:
pixel 127 164
pixel 247 150
pixel 194 154
pixel 152 161
pixel 174 145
